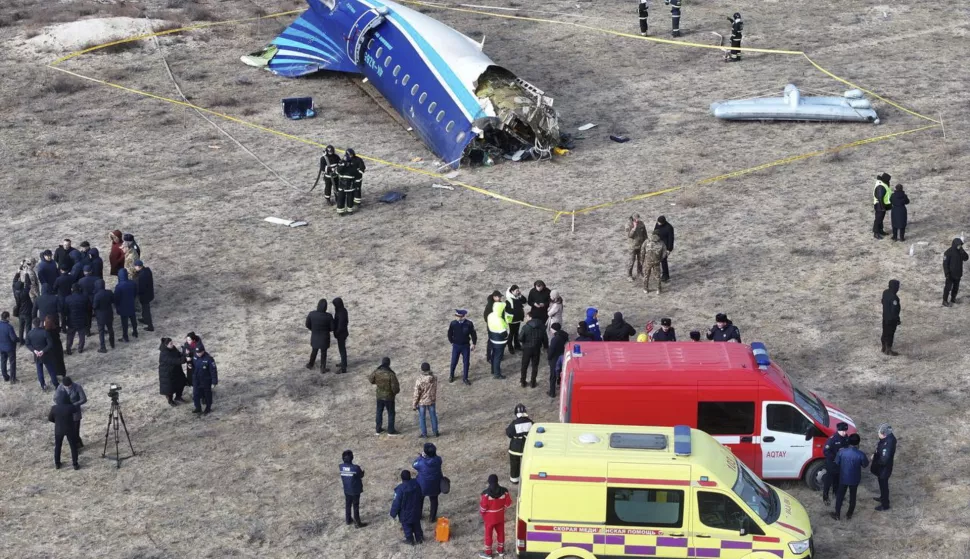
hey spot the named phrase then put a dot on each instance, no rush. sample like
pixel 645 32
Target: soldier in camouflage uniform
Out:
pixel 652 253
pixel 637 232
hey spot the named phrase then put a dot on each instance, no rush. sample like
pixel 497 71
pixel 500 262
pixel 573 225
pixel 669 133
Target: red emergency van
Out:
pixel 732 391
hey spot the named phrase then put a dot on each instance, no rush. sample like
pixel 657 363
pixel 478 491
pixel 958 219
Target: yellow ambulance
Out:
pixel 606 491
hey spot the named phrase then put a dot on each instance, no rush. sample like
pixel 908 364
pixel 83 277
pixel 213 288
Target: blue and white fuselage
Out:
pixel 426 70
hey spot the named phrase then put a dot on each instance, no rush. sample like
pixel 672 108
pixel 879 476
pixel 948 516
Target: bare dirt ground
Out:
pixel 786 253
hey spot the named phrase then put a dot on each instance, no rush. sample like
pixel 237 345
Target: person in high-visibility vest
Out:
pixel 498 335
pixel 881 194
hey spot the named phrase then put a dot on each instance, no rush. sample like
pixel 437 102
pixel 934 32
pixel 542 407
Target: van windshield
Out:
pixel 810 404
pixel 755 493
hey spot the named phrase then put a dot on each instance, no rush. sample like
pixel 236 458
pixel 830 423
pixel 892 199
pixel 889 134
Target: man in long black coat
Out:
pixel 40 344
pixel 882 463
pixel 46 304
pixel 341 330
pixel 146 294
pixel 665 231
pixel 320 325
pixel 890 316
pixel 62 416
pixel 103 305
pixel 77 309
pixel 953 260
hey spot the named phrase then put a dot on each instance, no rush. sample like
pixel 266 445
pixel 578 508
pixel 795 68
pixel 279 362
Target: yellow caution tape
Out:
pixel 559 213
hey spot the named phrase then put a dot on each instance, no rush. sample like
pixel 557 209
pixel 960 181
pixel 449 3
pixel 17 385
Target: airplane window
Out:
pixel 387 61
pixel 329 3
pixel 414 90
pixel 406 79
pixel 370 44
pixel 423 97
pixel 461 136
pixel 397 70
pixel 380 51
pixel 432 107
pixel 451 124
pixel 440 117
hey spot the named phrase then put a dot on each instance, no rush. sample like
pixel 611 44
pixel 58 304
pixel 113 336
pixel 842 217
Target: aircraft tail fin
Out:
pixel 305 47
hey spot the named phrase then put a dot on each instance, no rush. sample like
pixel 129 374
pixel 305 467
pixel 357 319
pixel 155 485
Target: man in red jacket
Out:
pixel 495 499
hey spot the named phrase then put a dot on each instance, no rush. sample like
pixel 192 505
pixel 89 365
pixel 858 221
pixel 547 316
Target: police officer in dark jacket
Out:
pixel 557 348
pixel 78 308
pixel 534 339
pixel 619 330
pixel 46 270
pixel 407 508
pixel 953 260
pixel 320 325
pixel 62 288
pixel 341 330
pixel 62 416
pixel 104 314
pixel 204 377
pixel 463 338
pixel 850 461
pixel 146 293
pixel 40 344
pixel 495 297
pixel 352 477
pixel 517 431
pixel 890 316
pixel 665 231
pixel 882 463
pixel 666 332
pixel 836 442
pixel 881 201
pixel 724 330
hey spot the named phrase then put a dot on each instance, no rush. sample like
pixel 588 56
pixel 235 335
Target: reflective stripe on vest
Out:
pixel 886 196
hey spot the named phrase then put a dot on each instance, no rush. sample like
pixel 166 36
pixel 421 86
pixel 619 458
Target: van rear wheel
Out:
pixel 815 475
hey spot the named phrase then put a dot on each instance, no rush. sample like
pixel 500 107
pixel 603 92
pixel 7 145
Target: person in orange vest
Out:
pixel 495 499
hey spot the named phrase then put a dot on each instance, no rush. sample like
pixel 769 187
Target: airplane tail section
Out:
pixel 306 47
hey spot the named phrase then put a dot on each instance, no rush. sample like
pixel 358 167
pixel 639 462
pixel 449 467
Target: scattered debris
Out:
pixel 851 107
pixel 452 175
pixel 619 139
pixel 296 108
pixel 443 186
pixel 286 222
pixel 560 151
pixel 416 159
pixel 392 196
pixel 586 127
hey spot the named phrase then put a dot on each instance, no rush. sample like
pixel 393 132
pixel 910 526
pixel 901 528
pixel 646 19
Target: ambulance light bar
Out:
pixel 682 440
pixel 760 355
pixel 638 441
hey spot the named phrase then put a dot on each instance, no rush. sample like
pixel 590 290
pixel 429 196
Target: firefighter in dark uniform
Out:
pixel 642 10
pixel 359 168
pixel 328 169
pixel 736 27
pixel 674 17
pixel 517 431
pixel 346 173
pixel 836 442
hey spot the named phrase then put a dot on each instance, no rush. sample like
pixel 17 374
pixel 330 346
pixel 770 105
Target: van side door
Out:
pixel 784 449
pixel 729 413
pixel 646 511
pixel 723 528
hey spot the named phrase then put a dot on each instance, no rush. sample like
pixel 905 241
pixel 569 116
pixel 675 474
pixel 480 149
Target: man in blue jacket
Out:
pixel 836 442
pixel 407 506
pixel 104 314
pixel 146 294
pixel 96 263
pixel 88 285
pixel 850 461
pixel 352 477
pixel 77 309
pixel 8 347
pixel 62 288
pixel 47 270
pixel 124 299
pixel 428 466
pixel 204 377
pixel 462 336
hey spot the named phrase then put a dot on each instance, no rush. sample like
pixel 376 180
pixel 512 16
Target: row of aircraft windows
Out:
pixel 414 91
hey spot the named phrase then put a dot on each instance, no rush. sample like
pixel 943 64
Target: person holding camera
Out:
pixel 204 377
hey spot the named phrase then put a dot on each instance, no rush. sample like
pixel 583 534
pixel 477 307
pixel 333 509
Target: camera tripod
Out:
pixel 114 416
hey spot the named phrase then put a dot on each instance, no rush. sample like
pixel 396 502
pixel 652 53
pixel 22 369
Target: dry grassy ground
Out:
pixel 786 253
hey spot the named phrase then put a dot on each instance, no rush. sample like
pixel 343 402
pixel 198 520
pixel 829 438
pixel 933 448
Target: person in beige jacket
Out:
pixel 425 395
